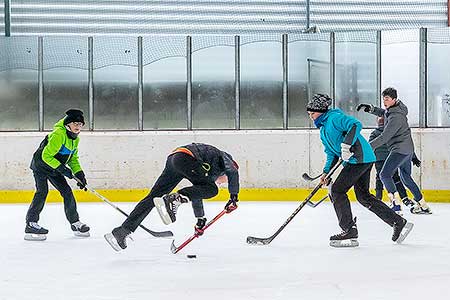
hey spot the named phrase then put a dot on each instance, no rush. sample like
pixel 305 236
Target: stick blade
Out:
pixel 162 234
pixel 173 248
pixel 258 241
pixel 306 177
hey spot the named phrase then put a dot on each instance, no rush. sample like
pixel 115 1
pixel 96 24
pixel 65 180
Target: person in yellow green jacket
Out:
pixel 58 149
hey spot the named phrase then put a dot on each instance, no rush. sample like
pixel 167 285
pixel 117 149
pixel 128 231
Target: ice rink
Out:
pixel 298 264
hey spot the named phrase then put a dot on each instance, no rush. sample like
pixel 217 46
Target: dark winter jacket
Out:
pixel 57 148
pixel 381 152
pixel 220 162
pixel 337 128
pixel 396 134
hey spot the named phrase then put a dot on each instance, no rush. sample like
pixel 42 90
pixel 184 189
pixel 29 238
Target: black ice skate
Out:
pixel 79 229
pixel 408 202
pixel 401 231
pixel 167 206
pixel 117 239
pixel 34 232
pixel 347 238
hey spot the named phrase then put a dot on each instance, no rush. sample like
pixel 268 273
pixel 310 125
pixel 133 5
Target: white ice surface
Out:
pixel 298 264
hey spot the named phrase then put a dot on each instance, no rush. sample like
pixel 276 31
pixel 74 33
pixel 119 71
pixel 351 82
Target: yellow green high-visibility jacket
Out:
pixel 57 148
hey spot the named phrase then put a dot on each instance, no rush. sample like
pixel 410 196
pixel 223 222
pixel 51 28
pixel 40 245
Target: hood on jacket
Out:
pixel 398 108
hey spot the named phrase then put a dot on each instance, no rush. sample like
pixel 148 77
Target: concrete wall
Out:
pixel 267 159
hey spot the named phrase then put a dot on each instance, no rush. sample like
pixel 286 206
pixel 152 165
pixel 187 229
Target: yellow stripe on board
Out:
pixel 244 195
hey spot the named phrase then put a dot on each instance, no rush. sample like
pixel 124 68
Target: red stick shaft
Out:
pixel 204 228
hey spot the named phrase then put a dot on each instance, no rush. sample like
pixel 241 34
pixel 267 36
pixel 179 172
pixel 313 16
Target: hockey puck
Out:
pixel 191 256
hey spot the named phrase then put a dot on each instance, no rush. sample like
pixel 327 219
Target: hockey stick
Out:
pixel 265 241
pixel 314 205
pixel 307 177
pixel 161 234
pixel 176 249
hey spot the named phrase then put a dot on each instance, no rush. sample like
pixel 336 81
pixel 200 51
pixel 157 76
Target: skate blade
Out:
pixel 405 231
pixel 345 243
pixel 162 211
pixel 112 241
pixel 421 212
pixel 35 237
pixel 81 234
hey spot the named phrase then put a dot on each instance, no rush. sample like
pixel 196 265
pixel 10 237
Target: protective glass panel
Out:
pixel 2 16
pixel 115 83
pixel 356 74
pixel 309 73
pixel 402 71
pixel 19 104
pixel 165 103
pixel 438 100
pixel 65 77
pixel 213 98
pixel 261 85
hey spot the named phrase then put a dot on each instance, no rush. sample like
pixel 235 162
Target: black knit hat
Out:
pixel 74 115
pixel 319 103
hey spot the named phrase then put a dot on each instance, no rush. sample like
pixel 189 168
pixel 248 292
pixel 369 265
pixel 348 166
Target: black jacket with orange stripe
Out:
pixel 219 163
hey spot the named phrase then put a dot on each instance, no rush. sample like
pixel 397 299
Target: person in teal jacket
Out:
pixel 341 137
pixel 58 148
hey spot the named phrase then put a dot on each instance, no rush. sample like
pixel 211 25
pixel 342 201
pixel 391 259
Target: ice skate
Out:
pixel 408 202
pixel 401 231
pixel 34 232
pixel 167 206
pixel 79 229
pixel 396 204
pixel 347 238
pixel 117 239
pixel 421 208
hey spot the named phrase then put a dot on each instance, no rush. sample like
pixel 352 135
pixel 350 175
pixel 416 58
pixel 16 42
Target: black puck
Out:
pixel 191 256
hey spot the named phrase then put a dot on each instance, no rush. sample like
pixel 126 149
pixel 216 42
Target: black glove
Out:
pixel 64 171
pixel 366 107
pixel 231 204
pixel 416 162
pixel 82 180
pixel 201 222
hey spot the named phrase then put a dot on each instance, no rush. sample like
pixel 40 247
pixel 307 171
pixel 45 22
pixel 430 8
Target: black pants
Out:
pixel 379 184
pixel 358 176
pixel 178 166
pixel 59 182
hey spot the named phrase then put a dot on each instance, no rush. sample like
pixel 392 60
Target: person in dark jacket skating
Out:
pixel 381 154
pixel 204 166
pixel 341 138
pixel 59 148
pixel 397 136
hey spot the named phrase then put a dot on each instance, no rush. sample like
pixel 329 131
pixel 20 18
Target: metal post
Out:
pixel 379 67
pixel 140 86
pixel 423 78
pixel 285 80
pixel 189 81
pixel 237 82
pixel 91 81
pixel 7 17
pixel 332 67
pixel 308 14
pixel 308 79
pixel 41 82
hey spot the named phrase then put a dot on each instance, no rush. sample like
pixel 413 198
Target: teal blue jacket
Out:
pixel 337 128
